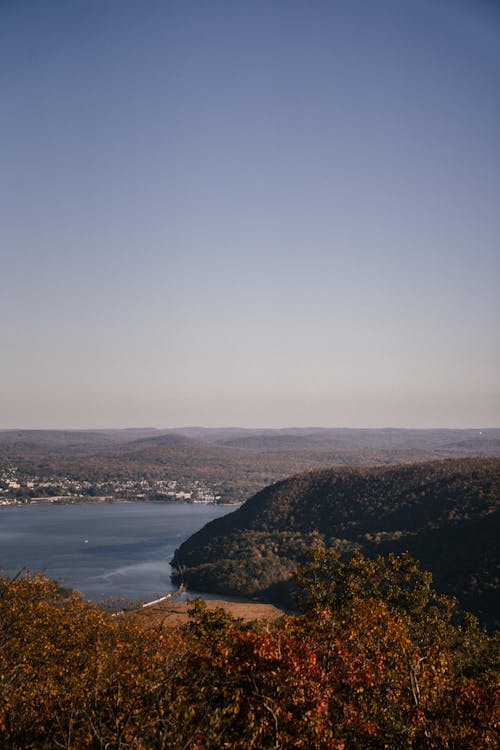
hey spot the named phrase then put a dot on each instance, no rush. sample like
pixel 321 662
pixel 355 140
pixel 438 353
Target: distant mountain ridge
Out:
pixel 447 513
pixel 234 462
pixel 386 436
pixel 301 439
pixel 332 439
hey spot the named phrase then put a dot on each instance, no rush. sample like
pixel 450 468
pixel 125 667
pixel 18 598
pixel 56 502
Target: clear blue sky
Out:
pixel 262 213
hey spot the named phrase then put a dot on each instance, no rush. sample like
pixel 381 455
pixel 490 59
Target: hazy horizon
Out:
pixel 277 213
pixel 256 428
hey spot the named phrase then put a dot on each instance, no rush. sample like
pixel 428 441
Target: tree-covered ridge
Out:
pixel 445 512
pixel 375 660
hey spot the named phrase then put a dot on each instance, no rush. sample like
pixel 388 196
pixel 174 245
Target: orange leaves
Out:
pixel 285 688
pixel 362 674
pixel 77 678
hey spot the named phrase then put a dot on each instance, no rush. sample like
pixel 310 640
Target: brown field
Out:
pixel 172 613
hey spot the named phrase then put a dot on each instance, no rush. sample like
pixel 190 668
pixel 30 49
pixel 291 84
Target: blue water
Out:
pixel 106 551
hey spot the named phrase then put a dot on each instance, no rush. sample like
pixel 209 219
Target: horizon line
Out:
pixel 240 427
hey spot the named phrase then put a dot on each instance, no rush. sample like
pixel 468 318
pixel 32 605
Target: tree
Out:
pixel 399 655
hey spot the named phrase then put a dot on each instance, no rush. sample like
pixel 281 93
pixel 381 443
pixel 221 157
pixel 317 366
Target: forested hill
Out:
pixel 445 513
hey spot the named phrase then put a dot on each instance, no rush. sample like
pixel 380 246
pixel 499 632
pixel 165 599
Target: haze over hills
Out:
pixel 30 443
pixel 323 438
pixel 478 441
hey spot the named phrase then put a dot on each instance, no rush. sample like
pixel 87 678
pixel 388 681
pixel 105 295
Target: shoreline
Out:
pixel 167 598
pixel 75 500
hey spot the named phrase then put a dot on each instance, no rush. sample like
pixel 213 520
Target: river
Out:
pixel 108 551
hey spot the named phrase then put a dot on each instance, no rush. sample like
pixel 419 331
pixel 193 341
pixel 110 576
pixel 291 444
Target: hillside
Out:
pixel 445 513
pixel 232 463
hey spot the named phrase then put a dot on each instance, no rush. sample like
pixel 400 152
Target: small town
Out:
pixel 18 487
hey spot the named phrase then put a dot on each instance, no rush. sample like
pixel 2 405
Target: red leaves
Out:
pixel 364 676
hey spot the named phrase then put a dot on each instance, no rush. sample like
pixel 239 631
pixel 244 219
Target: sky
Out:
pixel 266 214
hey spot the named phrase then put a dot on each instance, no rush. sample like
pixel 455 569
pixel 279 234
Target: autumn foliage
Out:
pixel 375 659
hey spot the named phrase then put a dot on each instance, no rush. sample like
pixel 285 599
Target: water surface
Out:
pixel 104 550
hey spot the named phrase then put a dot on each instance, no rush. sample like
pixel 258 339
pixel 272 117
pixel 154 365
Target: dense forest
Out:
pixel 445 513
pixel 375 658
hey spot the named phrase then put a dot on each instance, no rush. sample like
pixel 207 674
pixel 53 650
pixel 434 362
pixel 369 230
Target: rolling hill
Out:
pixel 236 462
